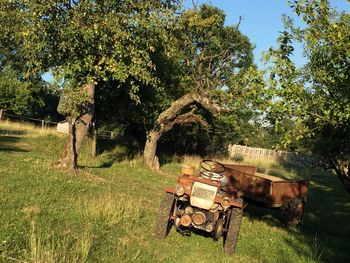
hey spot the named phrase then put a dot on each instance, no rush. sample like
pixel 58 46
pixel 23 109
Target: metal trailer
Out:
pixel 269 191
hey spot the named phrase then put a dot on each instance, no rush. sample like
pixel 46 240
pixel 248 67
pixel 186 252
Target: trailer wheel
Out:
pixel 293 211
pixel 164 223
pixel 233 227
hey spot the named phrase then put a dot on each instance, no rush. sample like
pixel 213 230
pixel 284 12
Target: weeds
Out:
pixel 317 250
pixel 126 252
pixel 112 210
pixel 47 247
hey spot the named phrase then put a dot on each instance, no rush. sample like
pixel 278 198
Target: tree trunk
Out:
pixel 171 116
pixel 342 168
pixel 149 153
pixel 77 131
pixel 69 158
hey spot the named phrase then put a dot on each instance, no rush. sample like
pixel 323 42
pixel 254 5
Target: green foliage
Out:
pixel 211 52
pixel 20 97
pixel 27 98
pixel 316 96
pixel 218 60
pixel 84 42
pixel 15 95
pixel 72 100
pixel 90 41
pixel 205 57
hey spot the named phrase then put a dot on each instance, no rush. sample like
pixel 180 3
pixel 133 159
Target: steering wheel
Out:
pixel 212 169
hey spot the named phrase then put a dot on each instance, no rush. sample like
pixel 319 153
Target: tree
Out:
pixel 15 95
pixel 86 43
pixel 26 98
pixel 316 96
pixel 209 55
pixel 19 95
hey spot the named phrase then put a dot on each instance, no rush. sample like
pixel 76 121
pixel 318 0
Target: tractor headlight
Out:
pixel 225 202
pixel 179 190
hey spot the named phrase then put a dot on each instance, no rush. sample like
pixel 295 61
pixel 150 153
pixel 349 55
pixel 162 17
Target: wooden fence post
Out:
pixel 92 143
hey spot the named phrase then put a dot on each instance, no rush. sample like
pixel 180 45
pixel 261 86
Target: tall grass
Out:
pixel 317 248
pixel 48 247
pixel 112 210
pixel 18 128
pixel 45 246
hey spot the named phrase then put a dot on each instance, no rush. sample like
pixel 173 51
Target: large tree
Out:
pixel 84 43
pixel 316 96
pixel 209 56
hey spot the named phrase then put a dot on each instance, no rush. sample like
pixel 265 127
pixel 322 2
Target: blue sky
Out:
pixel 261 20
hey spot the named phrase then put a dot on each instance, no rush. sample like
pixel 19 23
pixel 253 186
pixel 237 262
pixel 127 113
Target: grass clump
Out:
pixel 46 247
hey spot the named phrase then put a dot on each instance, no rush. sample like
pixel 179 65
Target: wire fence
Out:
pixel 37 122
pixel 60 127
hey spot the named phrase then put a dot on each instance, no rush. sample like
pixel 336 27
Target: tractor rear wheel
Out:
pixel 164 223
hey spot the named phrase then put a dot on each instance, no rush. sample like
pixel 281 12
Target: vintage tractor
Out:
pixel 206 202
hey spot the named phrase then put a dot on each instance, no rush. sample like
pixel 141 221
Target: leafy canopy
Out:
pixel 87 41
pixel 316 96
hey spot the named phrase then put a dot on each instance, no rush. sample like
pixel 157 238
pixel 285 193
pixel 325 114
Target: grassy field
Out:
pixel 107 212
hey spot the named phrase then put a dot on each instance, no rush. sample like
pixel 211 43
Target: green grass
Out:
pixel 107 212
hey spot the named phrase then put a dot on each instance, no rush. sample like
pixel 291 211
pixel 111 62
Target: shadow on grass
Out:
pixel 271 216
pixel 197 232
pixel 327 217
pixel 116 151
pixel 325 227
pixel 6 132
pixel 8 144
pixel 112 158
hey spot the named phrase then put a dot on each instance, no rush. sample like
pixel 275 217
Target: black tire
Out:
pixel 164 223
pixel 233 227
pixel 293 211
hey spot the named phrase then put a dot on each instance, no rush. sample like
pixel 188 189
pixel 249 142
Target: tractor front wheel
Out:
pixel 164 223
pixel 233 227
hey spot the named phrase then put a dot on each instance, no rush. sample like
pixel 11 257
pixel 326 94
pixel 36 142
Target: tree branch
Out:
pixel 209 104
pixel 176 106
pixel 239 22
pixel 185 118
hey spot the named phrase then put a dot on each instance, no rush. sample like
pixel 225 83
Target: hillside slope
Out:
pixel 107 212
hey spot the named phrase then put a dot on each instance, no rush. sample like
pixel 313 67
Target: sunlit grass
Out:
pixel 17 128
pixel 108 211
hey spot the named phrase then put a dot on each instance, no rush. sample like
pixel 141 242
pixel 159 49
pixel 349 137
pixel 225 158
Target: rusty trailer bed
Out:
pixel 270 190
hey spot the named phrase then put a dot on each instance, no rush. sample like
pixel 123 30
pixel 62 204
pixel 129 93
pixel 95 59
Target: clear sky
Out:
pixel 261 20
